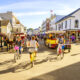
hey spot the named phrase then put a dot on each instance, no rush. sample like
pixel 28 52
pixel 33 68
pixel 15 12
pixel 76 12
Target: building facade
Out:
pixel 15 23
pixel 70 24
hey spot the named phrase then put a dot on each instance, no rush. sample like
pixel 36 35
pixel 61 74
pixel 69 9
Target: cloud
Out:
pixel 31 13
pixel 43 4
pixel 26 5
pixel 33 8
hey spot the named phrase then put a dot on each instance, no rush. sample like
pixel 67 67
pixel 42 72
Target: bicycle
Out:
pixel 16 53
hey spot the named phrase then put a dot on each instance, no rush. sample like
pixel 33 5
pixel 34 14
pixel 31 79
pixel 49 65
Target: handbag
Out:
pixel 16 48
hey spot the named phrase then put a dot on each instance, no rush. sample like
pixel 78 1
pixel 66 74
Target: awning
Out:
pixel 55 32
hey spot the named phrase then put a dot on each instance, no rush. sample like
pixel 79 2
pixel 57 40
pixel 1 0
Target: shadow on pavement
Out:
pixel 71 72
pixel 22 66
pixel 6 62
pixel 75 54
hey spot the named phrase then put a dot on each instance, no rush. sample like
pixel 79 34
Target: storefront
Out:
pixel 76 33
pixel 21 35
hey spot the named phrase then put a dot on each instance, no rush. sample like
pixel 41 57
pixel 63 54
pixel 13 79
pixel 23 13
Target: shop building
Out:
pixel 70 24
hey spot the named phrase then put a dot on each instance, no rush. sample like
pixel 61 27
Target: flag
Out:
pixel 51 11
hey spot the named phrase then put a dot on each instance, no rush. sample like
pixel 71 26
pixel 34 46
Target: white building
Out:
pixel 43 26
pixel 15 23
pixel 70 23
pixel 53 19
pixel 37 31
pixel 49 23
pixel 5 27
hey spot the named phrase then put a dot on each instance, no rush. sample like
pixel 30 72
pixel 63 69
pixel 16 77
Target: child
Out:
pixel 60 51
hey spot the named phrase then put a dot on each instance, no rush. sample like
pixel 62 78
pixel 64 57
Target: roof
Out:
pixel 4 22
pixel 69 15
pixel 36 29
pixel 58 17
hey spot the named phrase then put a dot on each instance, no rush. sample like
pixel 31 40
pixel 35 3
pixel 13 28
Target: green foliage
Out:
pixel 30 29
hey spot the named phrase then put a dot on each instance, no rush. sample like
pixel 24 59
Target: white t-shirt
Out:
pixel 33 44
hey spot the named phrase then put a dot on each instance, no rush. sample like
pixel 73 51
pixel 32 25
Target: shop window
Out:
pixel 76 23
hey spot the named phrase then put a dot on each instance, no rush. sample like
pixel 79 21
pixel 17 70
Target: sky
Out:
pixel 32 13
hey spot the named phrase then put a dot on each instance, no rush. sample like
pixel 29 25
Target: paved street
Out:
pixel 47 67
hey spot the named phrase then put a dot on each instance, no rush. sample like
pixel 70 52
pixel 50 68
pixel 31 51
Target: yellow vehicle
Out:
pixel 52 41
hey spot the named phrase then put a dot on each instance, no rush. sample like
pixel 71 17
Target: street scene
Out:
pixel 46 65
pixel 39 40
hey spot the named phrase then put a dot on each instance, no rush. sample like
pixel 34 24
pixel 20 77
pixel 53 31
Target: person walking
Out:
pixel 60 49
pixel 19 44
pixel 33 48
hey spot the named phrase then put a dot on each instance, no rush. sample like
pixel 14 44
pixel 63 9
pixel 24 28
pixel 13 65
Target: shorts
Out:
pixel 63 46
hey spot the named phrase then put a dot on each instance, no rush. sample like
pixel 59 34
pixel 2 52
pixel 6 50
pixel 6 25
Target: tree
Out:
pixel 30 29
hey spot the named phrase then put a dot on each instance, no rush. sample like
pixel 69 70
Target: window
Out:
pixel 56 27
pixel 70 23
pixel 17 30
pixel 76 23
pixel 0 23
pixel 0 26
pixel 59 26
pixel 62 25
pixel 65 24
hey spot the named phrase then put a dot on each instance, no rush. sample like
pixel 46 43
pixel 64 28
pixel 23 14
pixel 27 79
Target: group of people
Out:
pixel 31 44
pixel 63 43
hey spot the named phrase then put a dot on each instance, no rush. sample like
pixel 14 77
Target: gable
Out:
pixel 4 22
pixel 69 15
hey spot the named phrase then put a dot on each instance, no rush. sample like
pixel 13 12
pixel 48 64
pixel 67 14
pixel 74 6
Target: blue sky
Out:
pixel 32 13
